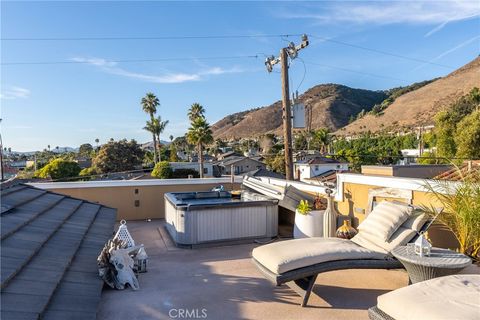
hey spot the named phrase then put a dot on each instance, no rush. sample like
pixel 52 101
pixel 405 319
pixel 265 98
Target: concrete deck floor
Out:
pixel 224 282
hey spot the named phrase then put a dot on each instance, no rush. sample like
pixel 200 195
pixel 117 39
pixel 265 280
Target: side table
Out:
pixel 440 262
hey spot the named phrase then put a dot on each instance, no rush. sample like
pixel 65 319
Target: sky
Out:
pixel 74 71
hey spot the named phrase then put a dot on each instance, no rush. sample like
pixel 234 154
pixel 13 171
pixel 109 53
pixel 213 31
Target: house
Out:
pixel 315 167
pixel 240 165
pixel 411 155
pixel 228 154
pixel 207 167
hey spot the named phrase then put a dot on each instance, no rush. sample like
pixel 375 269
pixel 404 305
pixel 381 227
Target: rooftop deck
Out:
pixel 224 282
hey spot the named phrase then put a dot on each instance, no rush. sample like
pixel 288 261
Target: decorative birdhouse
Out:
pixel 124 235
pixel 422 246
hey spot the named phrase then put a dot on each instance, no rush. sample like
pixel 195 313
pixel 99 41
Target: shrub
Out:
pixel 90 171
pixel 162 170
pixel 58 169
pixel 184 173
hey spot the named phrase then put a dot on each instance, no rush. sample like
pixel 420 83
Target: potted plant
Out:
pixel 461 210
pixel 308 222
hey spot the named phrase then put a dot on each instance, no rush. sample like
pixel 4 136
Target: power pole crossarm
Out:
pixel 292 52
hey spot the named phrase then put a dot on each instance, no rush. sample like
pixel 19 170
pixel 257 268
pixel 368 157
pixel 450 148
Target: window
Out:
pixel 205 170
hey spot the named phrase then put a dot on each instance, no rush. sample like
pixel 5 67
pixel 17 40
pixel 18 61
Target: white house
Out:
pixel 316 167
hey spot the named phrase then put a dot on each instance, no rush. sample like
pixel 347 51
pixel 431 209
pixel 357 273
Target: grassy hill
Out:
pixel 332 107
pixel 418 107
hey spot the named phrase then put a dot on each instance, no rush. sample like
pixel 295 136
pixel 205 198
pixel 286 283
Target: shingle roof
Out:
pixel 265 173
pixel 49 246
pixel 234 159
pixel 469 170
pixel 319 160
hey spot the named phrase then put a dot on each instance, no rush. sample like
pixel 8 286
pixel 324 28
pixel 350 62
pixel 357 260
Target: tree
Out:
pixel 276 163
pixel 58 169
pixel 96 143
pixel 196 110
pixel 200 134
pixel 171 138
pixel 85 149
pixel 159 128
pixel 173 153
pixel 447 122
pixel 117 156
pixel 467 138
pixel 149 105
pixel 162 170
pixel 321 140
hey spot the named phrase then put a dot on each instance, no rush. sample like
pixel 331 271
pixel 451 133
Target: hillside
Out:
pixel 332 106
pixel 419 107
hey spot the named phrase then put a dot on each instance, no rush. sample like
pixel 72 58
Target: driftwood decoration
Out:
pixel 115 266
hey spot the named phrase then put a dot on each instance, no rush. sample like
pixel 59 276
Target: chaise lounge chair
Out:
pixel 450 297
pixel 297 262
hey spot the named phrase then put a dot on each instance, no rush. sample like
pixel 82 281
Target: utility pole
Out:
pixel 292 52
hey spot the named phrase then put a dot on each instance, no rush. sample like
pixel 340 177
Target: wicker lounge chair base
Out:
pixel 302 280
pixel 376 314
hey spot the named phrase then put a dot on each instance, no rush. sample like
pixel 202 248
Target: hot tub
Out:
pixel 196 218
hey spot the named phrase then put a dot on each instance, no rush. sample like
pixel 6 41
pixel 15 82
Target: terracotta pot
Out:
pixel 308 225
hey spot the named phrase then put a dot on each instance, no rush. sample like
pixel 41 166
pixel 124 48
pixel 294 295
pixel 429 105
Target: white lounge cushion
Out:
pixel 416 220
pixel 451 297
pixel 385 219
pixel 283 256
pixel 400 238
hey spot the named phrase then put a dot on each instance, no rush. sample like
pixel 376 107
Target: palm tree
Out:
pixel 321 138
pixel 171 138
pixel 96 142
pixel 149 105
pixel 195 111
pixel 200 134
pixel 48 146
pixel 159 128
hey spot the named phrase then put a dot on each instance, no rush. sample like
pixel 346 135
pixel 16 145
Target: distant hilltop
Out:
pixel 349 111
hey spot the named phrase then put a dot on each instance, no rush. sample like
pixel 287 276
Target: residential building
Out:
pixel 208 171
pixel 316 167
pixel 228 154
pixel 240 165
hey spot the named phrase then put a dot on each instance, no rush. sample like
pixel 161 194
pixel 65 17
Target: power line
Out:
pixel 87 61
pixel 237 36
pixel 153 37
pixel 355 71
pixel 380 51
